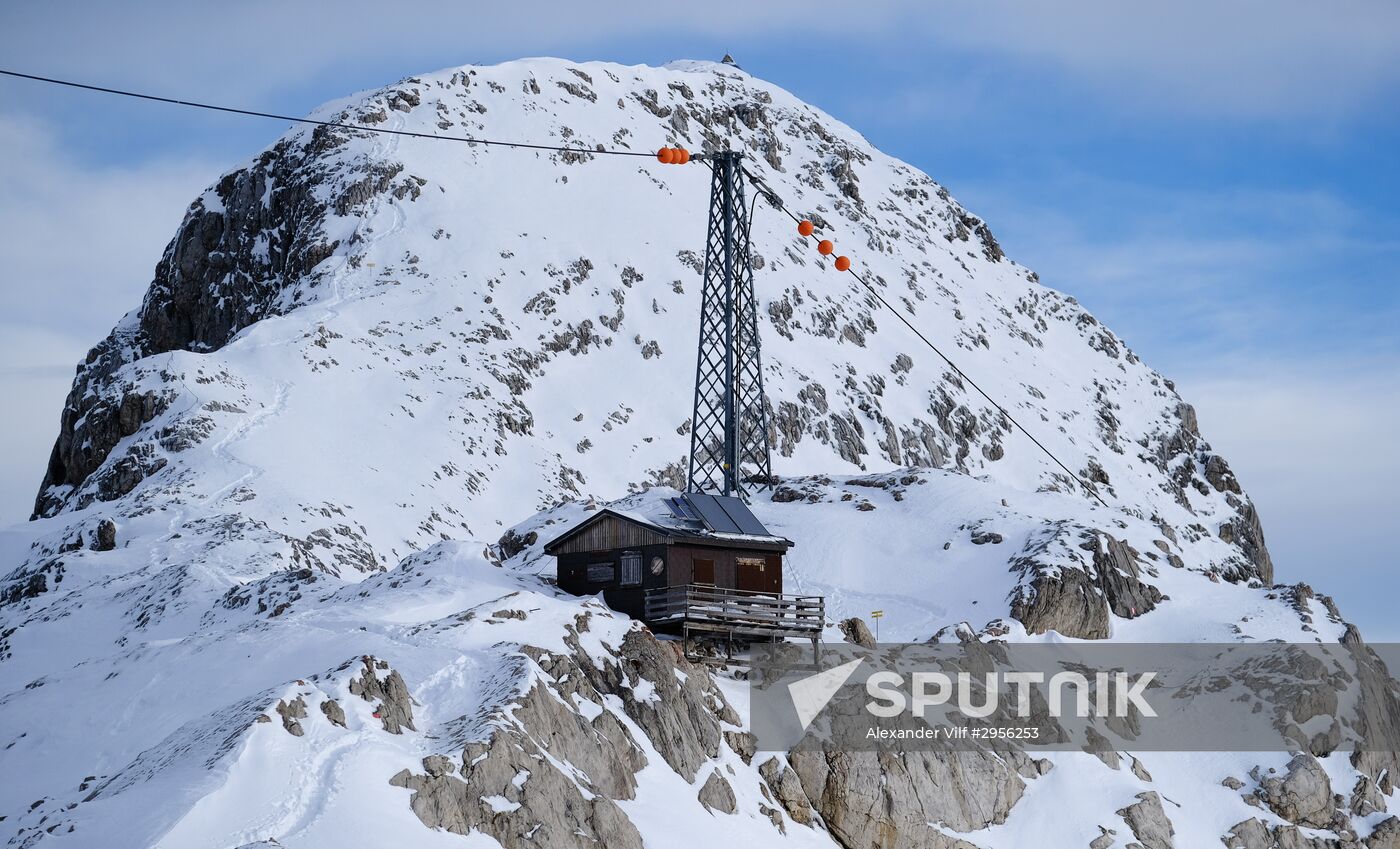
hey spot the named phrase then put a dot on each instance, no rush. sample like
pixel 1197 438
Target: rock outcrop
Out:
pixel 250 247
pixel 1062 591
pixel 1149 823
pixel 1303 795
pixel 889 799
pixel 509 789
pixel 393 704
pixel 717 794
pixel 857 632
pixel 291 712
pixel 105 537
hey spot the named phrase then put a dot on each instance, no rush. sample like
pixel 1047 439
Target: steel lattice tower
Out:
pixel 729 429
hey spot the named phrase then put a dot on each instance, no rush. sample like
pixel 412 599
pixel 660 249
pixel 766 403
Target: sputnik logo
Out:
pixel 812 694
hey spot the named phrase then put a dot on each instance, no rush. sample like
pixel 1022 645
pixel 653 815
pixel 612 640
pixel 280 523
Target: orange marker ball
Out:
pixel 806 228
pixel 843 263
pixel 665 156
pixel 825 247
pixel 681 156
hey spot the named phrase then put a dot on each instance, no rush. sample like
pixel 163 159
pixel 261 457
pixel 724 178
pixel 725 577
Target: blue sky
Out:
pixel 1217 181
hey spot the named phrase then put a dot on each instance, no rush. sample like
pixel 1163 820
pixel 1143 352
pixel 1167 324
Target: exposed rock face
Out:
pixel 333 712
pixel 1070 605
pixel 106 537
pixel 683 721
pixel 509 790
pixel 888 799
pixel 787 789
pixel 1191 466
pixel 1149 822
pixel 248 248
pixel 1255 834
pixel 1247 532
pixel 512 544
pixel 512 791
pixel 1250 834
pixel 717 794
pixel 290 713
pixel 1386 835
pixel 743 743
pixel 856 631
pixel 1303 796
pixel 1378 772
pixel 394 704
pixel 1061 591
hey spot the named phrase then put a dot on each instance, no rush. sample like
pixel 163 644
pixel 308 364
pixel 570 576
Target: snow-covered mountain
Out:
pixel 284 580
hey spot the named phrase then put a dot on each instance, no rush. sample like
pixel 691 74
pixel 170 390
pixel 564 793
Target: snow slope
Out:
pixel 364 358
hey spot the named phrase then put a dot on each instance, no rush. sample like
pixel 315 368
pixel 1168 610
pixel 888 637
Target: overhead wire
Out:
pixel 899 314
pixel 317 122
pixel 769 194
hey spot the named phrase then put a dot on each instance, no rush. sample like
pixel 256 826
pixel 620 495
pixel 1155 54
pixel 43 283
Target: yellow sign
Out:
pixel 876 614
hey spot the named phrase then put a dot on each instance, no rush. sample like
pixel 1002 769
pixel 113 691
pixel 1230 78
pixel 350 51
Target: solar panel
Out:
pixel 743 517
pixel 683 510
pixel 711 513
pixel 725 514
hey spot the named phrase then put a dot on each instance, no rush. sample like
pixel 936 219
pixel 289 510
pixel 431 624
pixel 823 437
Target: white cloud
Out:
pixel 78 246
pixel 34 384
pixel 1313 443
pixel 1259 58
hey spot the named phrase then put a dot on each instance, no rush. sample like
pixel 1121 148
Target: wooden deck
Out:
pixel 736 613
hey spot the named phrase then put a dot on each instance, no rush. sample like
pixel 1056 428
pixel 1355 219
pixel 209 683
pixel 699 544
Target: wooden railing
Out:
pixel 745 611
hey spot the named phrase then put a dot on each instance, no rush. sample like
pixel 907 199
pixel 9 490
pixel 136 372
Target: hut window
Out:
pixel 631 568
pixel 600 573
pixel 752 563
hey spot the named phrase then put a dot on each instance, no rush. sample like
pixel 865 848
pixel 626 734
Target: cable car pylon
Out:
pixel 729 452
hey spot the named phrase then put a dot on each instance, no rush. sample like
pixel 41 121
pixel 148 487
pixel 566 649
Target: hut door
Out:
pixel 775 573
pixel 754 574
pixel 704 571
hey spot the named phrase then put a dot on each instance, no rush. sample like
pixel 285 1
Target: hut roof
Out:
pixel 692 517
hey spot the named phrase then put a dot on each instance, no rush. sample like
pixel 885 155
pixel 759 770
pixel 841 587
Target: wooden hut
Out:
pixel 692 563
pixel 705 540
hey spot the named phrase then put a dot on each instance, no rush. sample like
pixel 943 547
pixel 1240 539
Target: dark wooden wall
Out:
pixel 608 538
pixel 573 577
pixel 680 567
pixel 609 533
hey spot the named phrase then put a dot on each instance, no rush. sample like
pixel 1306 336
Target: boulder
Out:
pixel 857 632
pixel 743 743
pixel 290 713
pixel 1149 822
pixel 1250 834
pixel 717 795
pixel 1105 840
pixel 334 712
pixel 106 537
pixel 1303 796
pixel 437 766
pixel 787 788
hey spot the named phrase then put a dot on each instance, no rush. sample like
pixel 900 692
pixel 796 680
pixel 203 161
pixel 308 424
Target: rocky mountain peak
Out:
pixel 290 537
